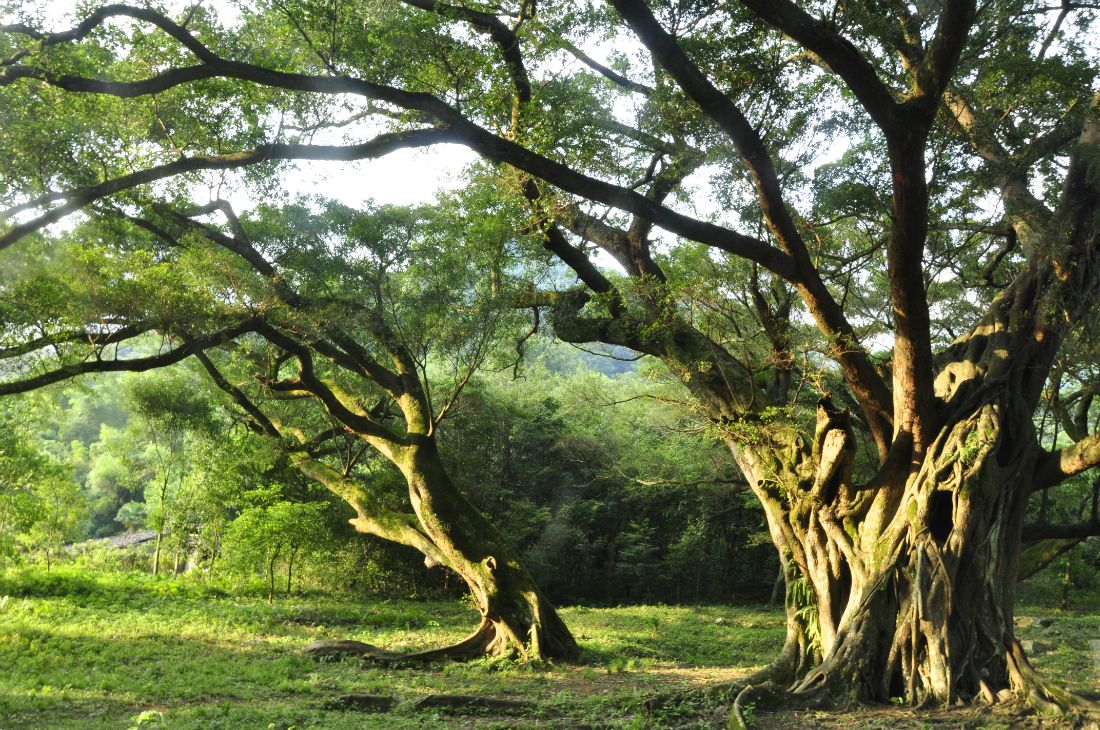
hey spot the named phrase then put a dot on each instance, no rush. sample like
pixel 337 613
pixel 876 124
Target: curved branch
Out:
pixel 836 51
pixel 360 423
pixel 343 350
pixel 866 383
pixel 504 37
pixel 1055 467
pixel 1038 556
pixel 137 364
pixel 80 197
pixel 461 131
pixel 95 339
pixel 608 73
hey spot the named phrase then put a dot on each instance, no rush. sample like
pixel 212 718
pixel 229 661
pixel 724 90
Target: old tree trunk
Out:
pixel 515 616
pixel 900 573
pixel 516 619
pixel 904 586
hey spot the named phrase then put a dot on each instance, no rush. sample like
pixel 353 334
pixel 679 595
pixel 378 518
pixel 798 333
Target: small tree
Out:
pixel 59 512
pixel 167 407
pixel 40 505
pixel 261 537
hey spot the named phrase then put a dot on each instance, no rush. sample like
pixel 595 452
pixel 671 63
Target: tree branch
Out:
pixel 836 51
pixel 460 130
pixel 90 337
pixel 1054 467
pixel 80 197
pixel 137 364
pixel 1080 530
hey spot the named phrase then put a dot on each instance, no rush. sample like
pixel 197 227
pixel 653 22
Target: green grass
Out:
pixel 98 650
pixel 94 651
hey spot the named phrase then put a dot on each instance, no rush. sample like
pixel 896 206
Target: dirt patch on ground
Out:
pixel 893 718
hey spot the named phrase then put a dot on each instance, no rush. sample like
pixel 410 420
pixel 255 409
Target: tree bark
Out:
pixel 904 586
pixel 516 617
pixel 449 531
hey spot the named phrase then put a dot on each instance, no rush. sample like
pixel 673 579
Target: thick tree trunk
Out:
pixel 516 617
pixel 449 531
pixel 904 586
pixel 905 589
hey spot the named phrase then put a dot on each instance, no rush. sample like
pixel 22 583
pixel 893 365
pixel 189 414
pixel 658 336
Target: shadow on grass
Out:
pixel 148 669
pixel 701 636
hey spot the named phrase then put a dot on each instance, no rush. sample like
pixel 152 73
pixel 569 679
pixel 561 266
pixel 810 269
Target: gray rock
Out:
pixel 363 703
pixel 1031 646
pixel 472 702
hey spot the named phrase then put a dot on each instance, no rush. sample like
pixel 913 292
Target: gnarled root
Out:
pixel 767 694
pixel 779 673
pixel 1041 693
pixel 485 640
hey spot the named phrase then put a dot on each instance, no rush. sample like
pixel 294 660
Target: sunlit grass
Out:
pixel 80 651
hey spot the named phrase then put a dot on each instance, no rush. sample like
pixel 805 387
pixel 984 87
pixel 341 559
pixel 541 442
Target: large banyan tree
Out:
pixel 886 209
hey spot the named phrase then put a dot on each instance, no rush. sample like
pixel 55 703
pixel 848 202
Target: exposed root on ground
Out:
pixel 490 638
pixel 486 640
pixel 1042 694
pixel 778 673
pixel 768 694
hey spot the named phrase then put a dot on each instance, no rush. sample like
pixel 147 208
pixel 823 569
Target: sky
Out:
pixel 405 177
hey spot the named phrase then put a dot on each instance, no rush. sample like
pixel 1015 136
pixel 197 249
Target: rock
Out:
pixel 362 703
pixel 1045 622
pixel 472 702
pixel 328 649
pixel 1031 646
pixel 719 621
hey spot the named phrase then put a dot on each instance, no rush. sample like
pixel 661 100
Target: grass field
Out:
pixel 121 651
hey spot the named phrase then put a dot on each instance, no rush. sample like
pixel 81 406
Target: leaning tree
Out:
pixel 326 329
pixel 901 197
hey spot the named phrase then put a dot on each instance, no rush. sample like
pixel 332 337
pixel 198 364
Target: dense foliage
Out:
pixel 646 515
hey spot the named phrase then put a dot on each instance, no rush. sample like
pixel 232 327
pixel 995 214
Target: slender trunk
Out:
pixel 777 589
pixel 156 551
pixel 1067 580
pixel 449 531
pixel 271 575
pixel 290 569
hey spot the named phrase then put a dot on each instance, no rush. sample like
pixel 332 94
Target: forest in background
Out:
pixel 601 480
pixel 598 475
